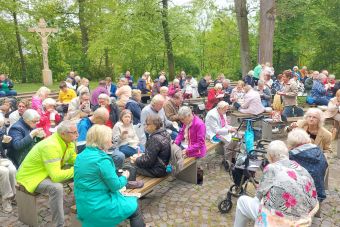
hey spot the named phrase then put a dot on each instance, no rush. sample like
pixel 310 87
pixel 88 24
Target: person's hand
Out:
pixel 184 152
pixel 232 129
pixel 294 125
pixel 133 159
pixel 126 174
pixel 280 93
pixel 36 132
pixel 124 134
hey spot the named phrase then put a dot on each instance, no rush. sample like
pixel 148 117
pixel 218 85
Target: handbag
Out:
pixel 249 137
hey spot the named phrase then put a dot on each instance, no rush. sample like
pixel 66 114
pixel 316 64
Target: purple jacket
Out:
pixel 196 147
pixel 99 90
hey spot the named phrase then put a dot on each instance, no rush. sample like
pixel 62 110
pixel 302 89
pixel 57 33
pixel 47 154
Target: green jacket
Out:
pixel 257 71
pixel 45 160
pixel 96 189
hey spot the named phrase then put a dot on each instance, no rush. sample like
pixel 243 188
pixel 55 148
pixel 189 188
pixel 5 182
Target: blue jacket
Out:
pixel 311 157
pixel 135 109
pixel 96 189
pixel 21 142
pixel 113 90
pixel 141 85
pixel 318 90
pixel 83 126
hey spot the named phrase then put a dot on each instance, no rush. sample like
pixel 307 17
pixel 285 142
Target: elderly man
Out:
pixel 105 101
pixel 22 106
pixel 24 135
pixel 79 107
pixel 134 105
pixel 204 84
pixel 252 102
pixel 265 93
pixel 100 116
pixel 101 89
pixel 72 76
pixel 156 108
pixel 42 170
pixel 172 106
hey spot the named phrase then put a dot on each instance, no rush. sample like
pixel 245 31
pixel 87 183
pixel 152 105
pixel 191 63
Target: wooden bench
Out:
pixel 267 126
pixel 188 174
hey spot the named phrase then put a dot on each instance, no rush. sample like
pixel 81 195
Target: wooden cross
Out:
pixel 44 33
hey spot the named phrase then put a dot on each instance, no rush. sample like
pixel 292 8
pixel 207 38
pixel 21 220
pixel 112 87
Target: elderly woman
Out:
pixel 330 86
pixel 84 86
pixel 310 157
pixel 289 95
pixel 22 106
pixel 135 106
pixel 123 92
pixel 105 101
pixel 124 135
pixel 96 185
pixel 164 91
pixel 49 117
pixel 174 88
pixel 312 123
pixel 252 102
pixel 265 93
pixel 238 93
pixel 39 97
pixel 318 92
pixel 191 136
pixel 24 135
pixel 157 149
pixel 171 107
pixel 7 172
pixel 190 87
pixel 286 195
pixel 333 110
pixel 214 96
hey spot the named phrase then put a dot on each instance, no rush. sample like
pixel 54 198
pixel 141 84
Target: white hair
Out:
pixel 277 150
pixel 64 126
pixel 260 82
pixel 298 136
pixel 251 73
pixel 226 81
pixel 184 111
pixel 176 81
pixel 30 115
pixel 104 96
pixel 320 76
pixel 156 99
pixel 164 89
pixel 162 77
pixel 222 104
pixel 317 113
pixel 43 91
pixel 218 86
pixel 332 76
pixel 49 101
pixel 77 78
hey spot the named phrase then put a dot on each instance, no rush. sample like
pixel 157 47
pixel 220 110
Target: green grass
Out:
pixel 32 87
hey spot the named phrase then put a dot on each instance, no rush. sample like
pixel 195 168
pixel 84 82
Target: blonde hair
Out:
pixel 99 136
pixel 218 86
pixel 135 93
pixel 240 83
pixel 43 91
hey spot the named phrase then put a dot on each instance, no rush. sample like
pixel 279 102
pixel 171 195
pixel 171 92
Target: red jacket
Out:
pixel 45 122
pixel 212 100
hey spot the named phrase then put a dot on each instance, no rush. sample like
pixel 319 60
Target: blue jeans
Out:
pixel 322 101
pixel 8 93
pixel 129 151
pixel 118 158
pixel 265 103
pixel 292 111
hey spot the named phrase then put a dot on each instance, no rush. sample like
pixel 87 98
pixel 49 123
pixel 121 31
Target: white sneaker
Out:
pixel 6 206
pixel 275 130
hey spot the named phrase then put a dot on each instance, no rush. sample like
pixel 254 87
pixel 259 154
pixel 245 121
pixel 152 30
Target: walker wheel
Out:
pixel 225 206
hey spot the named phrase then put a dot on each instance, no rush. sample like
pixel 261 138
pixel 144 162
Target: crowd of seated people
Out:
pixel 110 124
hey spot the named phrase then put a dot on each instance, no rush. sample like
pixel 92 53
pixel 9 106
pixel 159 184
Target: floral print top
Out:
pixel 286 191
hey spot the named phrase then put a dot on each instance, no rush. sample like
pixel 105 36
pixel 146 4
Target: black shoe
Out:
pixel 134 184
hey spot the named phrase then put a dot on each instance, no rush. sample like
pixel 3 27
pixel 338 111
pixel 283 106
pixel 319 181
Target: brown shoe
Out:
pixel 135 184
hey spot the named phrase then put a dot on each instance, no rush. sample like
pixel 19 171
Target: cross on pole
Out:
pixel 44 33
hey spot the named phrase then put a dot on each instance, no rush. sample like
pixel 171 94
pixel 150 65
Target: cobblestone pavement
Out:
pixel 177 203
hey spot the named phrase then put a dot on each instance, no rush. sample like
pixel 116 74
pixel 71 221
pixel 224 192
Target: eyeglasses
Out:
pixel 73 133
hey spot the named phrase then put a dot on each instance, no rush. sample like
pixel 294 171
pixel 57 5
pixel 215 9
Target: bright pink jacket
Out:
pixel 36 103
pixel 173 90
pixel 196 147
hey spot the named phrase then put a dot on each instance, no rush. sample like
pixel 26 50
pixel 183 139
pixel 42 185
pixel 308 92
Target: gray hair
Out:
pixel 277 150
pixel 156 99
pixel 162 77
pixel 49 101
pixel 260 82
pixel 332 76
pixel 226 81
pixel 163 88
pixel 222 104
pixel 218 86
pixel 298 136
pixel 30 115
pixel 184 111
pixel 176 81
pixel 64 126
pixel 320 76
pixel 42 91
pixel 104 96
pixel 318 113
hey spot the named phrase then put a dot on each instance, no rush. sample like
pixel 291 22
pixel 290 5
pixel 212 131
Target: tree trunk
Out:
pixel 267 25
pixel 84 33
pixel 242 23
pixel 167 39
pixel 22 59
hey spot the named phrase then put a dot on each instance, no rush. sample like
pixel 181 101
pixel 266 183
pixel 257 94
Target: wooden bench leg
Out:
pixel 189 174
pixel 27 208
pixel 266 130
